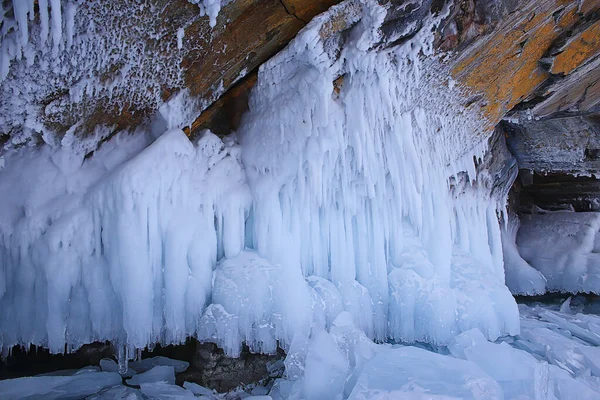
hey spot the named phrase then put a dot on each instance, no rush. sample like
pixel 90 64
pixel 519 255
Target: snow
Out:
pixel 564 247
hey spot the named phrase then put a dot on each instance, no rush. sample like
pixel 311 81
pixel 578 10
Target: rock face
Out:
pixel 112 74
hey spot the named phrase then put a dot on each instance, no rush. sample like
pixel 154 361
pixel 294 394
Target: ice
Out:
pixel 109 250
pixel 198 390
pixel 58 387
pixel 160 373
pixel 118 393
pixel 519 374
pixel 344 363
pixel 210 8
pixel 148 363
pixel 521 278
pixel 413 373
pixel 165 391
pixel 108 365
pixel 374 188
pixel 325 369
pixel 564 247
pixel 263 304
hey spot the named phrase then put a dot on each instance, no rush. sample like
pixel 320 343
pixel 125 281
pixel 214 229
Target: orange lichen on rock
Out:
pixel 579 50
pixel 505 65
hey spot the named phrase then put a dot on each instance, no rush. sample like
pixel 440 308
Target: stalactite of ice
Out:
pixel 210 8
pixel 355 187
pixel 120 248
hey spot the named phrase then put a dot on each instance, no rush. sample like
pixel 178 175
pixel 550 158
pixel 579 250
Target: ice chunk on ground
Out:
pixel 325 369
pixel 565 247
pixel 519 374
pixel 58 387
pixel 198 390
pixel 410 372
pixel 148 363
pixel 160 373
pixel 118 393
pixel 165 391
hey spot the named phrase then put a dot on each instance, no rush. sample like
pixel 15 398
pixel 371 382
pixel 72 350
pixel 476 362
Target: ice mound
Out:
pixel 565 247
pixel 257 303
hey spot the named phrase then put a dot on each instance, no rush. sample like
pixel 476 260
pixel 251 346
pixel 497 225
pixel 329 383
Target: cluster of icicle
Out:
pixel 364 200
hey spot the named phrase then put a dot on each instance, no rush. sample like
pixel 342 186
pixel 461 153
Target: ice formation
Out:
pixel 375 188
pixel 65 61
pixel 128 254
pixel 565 247
pixel 210 8
pixel 521 278
pixel 364 199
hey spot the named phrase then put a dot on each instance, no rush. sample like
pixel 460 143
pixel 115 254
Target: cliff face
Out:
pixel 533 65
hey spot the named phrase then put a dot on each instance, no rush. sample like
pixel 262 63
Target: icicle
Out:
pixel 44 23
pixel 56 14
pixel 123 358
pixel 70 11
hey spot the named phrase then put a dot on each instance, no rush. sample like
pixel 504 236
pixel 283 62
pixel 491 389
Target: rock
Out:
pixel 118 75
pixel 213 369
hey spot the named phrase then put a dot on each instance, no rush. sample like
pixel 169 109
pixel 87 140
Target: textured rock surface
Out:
pixel 212 368
pixel 117 72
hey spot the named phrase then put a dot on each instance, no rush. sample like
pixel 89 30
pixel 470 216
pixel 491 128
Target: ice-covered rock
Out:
pixel 94 230
pixel 371 186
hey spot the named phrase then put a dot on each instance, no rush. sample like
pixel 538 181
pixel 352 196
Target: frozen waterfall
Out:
pixel 352 186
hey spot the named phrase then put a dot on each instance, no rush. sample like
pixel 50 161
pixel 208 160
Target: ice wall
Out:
pixel 120 248
pixel 363 196
pixel 375 188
